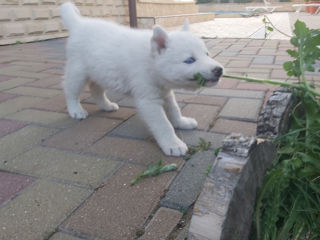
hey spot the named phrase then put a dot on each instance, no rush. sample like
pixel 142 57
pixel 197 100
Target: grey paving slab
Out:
pixel 17 104
pixel 134 127
pixel 37 92
pixel 245 109
pixel 8 126
pixel 35 214
pixel 21 140
pixel 192 137
pixel 63 236
pixel 187 185
pixel 51 163
pixel 263 60
pixel 54 119
pixel 233 93
pixel 12 83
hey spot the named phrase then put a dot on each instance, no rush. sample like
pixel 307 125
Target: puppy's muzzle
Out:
pixel 217 72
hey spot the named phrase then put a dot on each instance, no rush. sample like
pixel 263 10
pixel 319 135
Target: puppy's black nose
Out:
pixel 217 71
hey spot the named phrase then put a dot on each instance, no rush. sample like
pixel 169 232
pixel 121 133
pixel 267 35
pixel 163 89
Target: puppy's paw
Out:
pixel 175 148
pixel 78 113
pixel 186 123
pixel 110 107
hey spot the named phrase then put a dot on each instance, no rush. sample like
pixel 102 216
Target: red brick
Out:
pixel 83 134
pixel 11 185
pixel 232 126
pixel 122 113
pixel 204 114
pixel 8 126
pixel 118 210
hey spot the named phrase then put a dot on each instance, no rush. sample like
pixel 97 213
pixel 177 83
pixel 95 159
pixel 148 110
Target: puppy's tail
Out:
pixel 70 15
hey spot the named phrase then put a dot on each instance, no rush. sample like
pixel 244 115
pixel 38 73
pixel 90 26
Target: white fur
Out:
pixel 145 64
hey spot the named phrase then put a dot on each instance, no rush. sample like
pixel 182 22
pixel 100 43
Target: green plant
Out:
pixel 203 145
pixel 200 79
pixel 288 204
pixel 154 170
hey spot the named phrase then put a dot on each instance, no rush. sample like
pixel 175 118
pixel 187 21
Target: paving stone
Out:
pixel 244 109
pixel 127 102
pixel 263 60
pixel 48 82
pixel 123 113
pixel 37 92
pixel 6 96
pixel 118 210
pixel 15 82
pixel 17 104
pixel 238 63
pixel 22 140
pixel 233 93
pixel 54 119
pixel 56 103
pixel 131 150
pixel 49 163
pixel 63 236
pixel 254 86
pixel 186 187
pixel 7 126
pixel 193 137
pixel 204 114
pixel 162 224
pixel 4 78
pixel 132 128
pixel 36 213
pixel 231 126
pixel 11 184
pixel 200 99
pixel 16 71
pixel 226 82
pixel 80 136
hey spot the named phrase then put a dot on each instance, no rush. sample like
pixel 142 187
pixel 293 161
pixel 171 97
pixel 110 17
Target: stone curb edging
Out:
pixel 225 206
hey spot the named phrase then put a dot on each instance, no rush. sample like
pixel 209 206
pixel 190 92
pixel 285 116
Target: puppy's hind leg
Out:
pixel 101 99
pixel 73 84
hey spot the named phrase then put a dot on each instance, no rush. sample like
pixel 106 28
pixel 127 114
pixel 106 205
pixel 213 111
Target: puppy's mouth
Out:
pixel 202 81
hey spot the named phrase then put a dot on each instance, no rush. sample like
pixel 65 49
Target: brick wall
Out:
pixel 33 20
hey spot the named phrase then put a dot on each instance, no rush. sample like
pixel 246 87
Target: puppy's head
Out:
pixel 180 56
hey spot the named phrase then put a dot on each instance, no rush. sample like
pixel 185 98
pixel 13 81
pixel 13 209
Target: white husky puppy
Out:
pixel 143 63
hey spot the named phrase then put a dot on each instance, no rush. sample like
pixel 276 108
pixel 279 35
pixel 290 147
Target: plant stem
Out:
pixel 274 82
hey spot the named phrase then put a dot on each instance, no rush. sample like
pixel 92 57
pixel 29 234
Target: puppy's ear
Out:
pixel 159 39
pixel 186 26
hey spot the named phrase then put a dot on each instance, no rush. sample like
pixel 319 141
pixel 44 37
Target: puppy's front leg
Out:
pixel 174 113
pixel 154 115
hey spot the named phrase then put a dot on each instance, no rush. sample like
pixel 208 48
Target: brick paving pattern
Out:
pixel 67 179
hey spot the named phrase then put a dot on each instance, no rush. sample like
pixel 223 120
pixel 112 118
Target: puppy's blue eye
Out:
pixel 190 60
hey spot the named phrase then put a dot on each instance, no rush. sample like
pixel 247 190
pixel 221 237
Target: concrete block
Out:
pixel 5 14
pixel 14 29
pixel 31 2
pixel 242 109
pixel 42 13
pixel 55 12
pixel 22 13
pixel 187 185
pixel 52 26
pixel 35 27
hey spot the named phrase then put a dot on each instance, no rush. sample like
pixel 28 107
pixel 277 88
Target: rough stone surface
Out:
pixel 161 224
pixel 186 187
pixel 239 168
pixel 50 163
pixel 274 118
pixel 118 210
pixel 26 216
